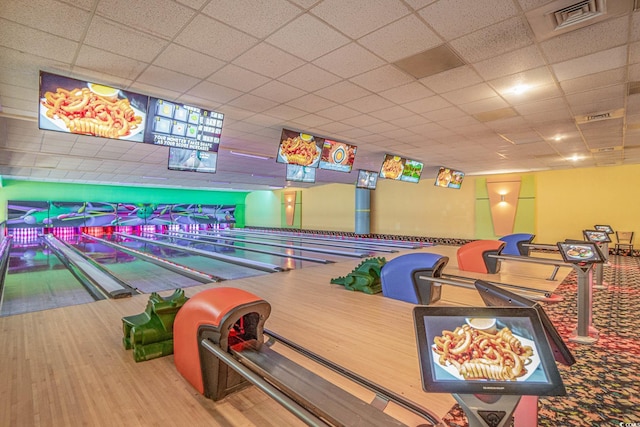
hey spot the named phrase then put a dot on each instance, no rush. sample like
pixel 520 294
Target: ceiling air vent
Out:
pixel 579 12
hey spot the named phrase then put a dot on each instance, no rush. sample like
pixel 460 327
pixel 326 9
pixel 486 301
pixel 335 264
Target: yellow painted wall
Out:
pixel 423 209
pixel 569 201
pixel 329 207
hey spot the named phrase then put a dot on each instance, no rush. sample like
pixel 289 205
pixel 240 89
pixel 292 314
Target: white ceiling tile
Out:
pixel 401 39
pixel 584 41
pixel 469 94
pixel 21 38
pixel 591 64
pixel 444 114
pixel 214 38
pixel 468 16
pixel 339 112
pixel 614 93
pixel 361 120
pixel 258 18
pixel 55 18
pixel 311 103
pixel 407 93
pixel 349 61
pixel 605 78
pixel 342 92
pixel 451 80
pixel 369 103
pixel 427 104
pixel 238 78
pixel 159 17
pixel 348 16
pixel 167 79
pixel 187 61
pixel 484 105
pixel 494 40
pixel 279 92
pixel 312 120
pixel 307 37
pixel 214 92
pixel 286 112
pixel 391 113
pixel 116 38
pixel 510 63
pixel 95 59
pixel 309 77
pixel 268 60
pixel 385 77
pixel 253 103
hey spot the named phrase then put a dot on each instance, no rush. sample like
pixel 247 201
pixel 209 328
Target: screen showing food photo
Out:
pixel 182 126
pixel 411 171
pixel 75 106
pixel 449 178
pixel 367 179
pixel 337 156
pixel 182 159
pixel 580 252
pixel 501 350
pixel 606 228
pixel 392 167
pixel 298 148
pixel 597 236
pixel 297 173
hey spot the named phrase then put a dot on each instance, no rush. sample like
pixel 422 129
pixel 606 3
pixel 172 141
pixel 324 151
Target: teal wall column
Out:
pixel 363 211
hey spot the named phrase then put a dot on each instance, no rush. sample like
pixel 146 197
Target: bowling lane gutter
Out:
pixel 263 266
pixel 5 252
pixel 104 280
pixel 277 245
pixel 169 265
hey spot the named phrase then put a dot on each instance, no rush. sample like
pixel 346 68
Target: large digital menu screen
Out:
pixel 449 178
pixel 400 168
pixel 80 107
pixel 74 106
pixel 337 156
pixel 298 148
pixel 182 159
pixel 515 357
pixel 182 126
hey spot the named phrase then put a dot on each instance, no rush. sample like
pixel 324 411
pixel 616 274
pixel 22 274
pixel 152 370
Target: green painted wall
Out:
pixel 263 209
pixel 63 192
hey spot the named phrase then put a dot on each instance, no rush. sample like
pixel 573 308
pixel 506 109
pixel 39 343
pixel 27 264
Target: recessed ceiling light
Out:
pixel 575 158
pixel 519 89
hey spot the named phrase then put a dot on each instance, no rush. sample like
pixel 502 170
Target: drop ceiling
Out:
pixel 481 86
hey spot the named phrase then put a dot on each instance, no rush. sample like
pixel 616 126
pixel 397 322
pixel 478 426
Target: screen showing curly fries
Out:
pixel 476 354
pixel 75 106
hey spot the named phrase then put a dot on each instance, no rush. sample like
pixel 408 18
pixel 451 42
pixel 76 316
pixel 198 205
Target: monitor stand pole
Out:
pixel 584 333
pixel 600 283
pixel 488 410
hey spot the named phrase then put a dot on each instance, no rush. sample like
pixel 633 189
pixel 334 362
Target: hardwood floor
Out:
pixel 67 366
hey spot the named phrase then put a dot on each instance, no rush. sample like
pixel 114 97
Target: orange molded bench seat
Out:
pixel 473 256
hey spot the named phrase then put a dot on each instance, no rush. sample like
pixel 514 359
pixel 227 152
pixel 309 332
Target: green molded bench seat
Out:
pixel 150 333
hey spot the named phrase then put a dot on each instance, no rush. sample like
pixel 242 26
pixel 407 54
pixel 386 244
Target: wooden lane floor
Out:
pixel 68 366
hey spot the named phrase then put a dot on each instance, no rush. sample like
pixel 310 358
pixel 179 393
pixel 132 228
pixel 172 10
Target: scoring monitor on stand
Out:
pixel 582 256
pixel 487 387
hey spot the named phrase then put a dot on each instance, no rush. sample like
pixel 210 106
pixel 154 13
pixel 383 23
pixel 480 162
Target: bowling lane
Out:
pixel 240 249
pixel 224 270
pixel 37 280
pixel 142 275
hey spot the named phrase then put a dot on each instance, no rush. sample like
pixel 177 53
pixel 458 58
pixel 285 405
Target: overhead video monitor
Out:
pixel 577 252
pixel 496 296
pixel 299 148
pixel 517 359
pixel 181 159
pixel 596 236
pixel 367 179
pixel 297 173
pixel 606 228
pixel 449 178
pixel 337 156
pixel 401 169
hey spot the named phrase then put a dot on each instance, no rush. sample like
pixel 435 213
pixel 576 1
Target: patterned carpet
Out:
pixel 603 386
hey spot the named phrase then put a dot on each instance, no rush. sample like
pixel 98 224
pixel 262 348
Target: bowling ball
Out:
pixel 29 219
